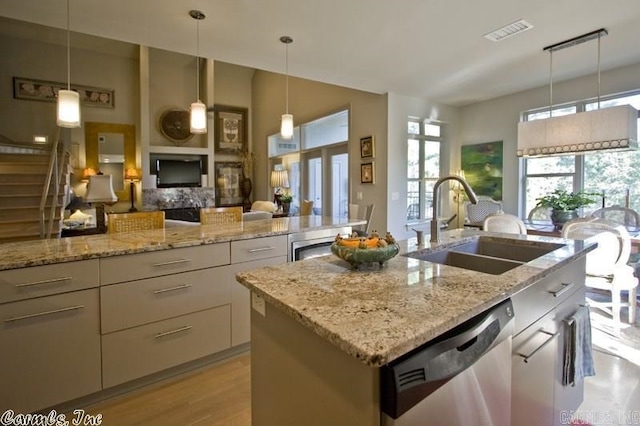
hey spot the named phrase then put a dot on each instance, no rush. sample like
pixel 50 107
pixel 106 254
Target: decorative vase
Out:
pixel 285 207
pixel 560 217
pixel 245 189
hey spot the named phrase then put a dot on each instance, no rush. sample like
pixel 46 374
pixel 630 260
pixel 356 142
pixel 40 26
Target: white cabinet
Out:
pixel 174 308
pixel 49 350
pixel 247 255
pixel 538 395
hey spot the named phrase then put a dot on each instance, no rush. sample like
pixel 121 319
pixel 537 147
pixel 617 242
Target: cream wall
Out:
pixel 497 119
pixel 309 100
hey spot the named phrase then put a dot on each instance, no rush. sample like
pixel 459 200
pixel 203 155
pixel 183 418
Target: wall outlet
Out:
pixel 395 196
pixel 359 195
pixel 258 304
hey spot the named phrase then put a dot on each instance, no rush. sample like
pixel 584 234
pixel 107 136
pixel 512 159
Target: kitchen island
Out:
pixel 319 341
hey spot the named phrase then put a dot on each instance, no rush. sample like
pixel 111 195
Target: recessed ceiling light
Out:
pixel 509 30
pixel 40 139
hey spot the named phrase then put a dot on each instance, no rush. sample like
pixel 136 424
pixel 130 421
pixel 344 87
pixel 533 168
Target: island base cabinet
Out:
pixel 140 351
pixel 298 378
pixel 49 350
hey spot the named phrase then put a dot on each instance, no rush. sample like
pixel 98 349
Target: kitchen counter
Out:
pixel 378 314
pixel 43 252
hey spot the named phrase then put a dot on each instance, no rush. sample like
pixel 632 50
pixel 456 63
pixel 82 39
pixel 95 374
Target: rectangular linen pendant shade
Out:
pixel 614 128
pixel 286 126
pixel 198 117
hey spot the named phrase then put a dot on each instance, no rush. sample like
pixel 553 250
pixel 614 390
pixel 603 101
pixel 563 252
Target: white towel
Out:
pixel 578 356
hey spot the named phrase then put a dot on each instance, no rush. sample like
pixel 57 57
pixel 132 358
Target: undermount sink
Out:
pixel 487 254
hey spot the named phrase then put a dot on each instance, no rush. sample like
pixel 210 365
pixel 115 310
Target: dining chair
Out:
pixel 363 230
pixel 354 209
pixel 132 222
pixel 607 267
pixel 257 215
pixel 306 209
pixel 623 215
pixel 220 215
pixel 542 214
pixel 504 222
pixel 483 208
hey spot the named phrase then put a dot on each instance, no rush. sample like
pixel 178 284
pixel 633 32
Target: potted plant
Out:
pixel 286 199
pixel 564 205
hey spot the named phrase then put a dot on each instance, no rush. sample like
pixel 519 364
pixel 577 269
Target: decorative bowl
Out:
pixel 358 256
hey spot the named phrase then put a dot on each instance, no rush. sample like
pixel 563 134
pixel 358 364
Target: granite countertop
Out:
pixel 378 314
pixel 43 252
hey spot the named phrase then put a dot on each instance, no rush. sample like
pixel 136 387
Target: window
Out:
pixel 423 167
pixel 610 173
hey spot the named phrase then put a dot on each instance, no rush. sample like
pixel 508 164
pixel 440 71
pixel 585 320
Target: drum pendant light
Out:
pixel 286 123
pixel 198 109
pixel 68 108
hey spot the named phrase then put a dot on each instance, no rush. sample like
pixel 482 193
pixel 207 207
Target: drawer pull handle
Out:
pixel 42 314
pixel 526 358
pixel 178 287
pixel 565 288
pixel 177 330
pixel 172 262
pixel 51 281
pixel 256 250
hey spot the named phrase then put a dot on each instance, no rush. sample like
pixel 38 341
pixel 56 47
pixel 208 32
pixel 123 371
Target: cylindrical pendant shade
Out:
pixel 286 126
pixel 198 117
pixel 68 109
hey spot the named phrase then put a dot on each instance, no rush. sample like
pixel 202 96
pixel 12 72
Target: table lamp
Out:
pixel 133 175
pixel 279 180
pixel 100 192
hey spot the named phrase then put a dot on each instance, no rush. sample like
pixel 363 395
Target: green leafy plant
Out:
pixel 286 198
pixel 566 201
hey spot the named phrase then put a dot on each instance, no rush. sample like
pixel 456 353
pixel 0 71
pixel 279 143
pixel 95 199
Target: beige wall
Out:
pixel 309 100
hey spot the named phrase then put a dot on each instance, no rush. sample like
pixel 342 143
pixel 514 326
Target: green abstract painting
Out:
pixel 482 165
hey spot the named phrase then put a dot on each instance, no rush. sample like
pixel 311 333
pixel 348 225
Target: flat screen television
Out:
pixel 178 173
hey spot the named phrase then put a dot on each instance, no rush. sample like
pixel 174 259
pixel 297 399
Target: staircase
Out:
pixel 23 173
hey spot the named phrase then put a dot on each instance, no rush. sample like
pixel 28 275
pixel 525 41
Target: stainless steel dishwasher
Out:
pixel 314 243
pixel 460 378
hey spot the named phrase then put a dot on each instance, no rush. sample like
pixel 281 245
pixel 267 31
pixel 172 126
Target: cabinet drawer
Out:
pixel 50 350
pixel 140 302
pixel 258 248
pixel 539 298
pixel 139 351
pixel 26 283
pixel 146 265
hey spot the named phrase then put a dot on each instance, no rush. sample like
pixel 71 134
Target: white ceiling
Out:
pixel 433 49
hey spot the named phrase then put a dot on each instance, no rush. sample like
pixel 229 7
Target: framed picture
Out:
pixel 367 173
pixel 482 165
pixel 230 129
pixel 228 177
pixel 47 91
pixel 367 148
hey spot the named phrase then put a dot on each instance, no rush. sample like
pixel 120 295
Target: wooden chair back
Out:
pixel 132 222
pixel 306 208
pixel 220 215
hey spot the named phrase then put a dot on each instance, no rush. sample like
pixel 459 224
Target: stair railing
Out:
pixel 53 171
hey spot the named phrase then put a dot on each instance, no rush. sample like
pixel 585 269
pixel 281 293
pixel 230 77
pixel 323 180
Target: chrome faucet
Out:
pixel 435 226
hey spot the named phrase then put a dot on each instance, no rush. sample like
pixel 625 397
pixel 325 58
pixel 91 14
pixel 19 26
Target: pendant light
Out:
pixel 68 109
pixel 286 123
pixel 607 129
pixel 198 109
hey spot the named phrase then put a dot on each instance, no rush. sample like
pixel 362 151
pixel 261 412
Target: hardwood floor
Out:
pixel 221 395
pixel 217 395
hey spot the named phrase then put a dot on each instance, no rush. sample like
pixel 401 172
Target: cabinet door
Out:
pixel 532 384
pixel 49 350
pixel 240 299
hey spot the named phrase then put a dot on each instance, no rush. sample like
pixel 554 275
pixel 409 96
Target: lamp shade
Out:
pixel 286 126
pixel 100 189
pixel 198 117
pixel 614 128
pixel 279 179
pixel 132 174
pixel 68 109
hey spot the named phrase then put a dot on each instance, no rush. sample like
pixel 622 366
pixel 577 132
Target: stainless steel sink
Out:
pixel 487 254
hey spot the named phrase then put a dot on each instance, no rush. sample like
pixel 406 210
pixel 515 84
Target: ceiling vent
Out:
pixel 509 30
